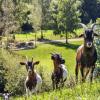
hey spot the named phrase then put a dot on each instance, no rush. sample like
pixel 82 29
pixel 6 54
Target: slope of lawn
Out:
pixel 48 34
pixel 42 53
pixel 84 91
pixel 80 92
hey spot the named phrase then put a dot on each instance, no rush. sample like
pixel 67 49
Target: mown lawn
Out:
pixel 42 53
pixel 48 34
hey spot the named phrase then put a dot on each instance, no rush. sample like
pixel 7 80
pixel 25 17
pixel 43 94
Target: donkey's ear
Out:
pixel 95 34
pixel 22 63
pixel 81 35
pixel 36 63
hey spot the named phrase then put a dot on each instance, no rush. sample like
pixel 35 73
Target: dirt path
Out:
pixel 70 40
pixel 63 41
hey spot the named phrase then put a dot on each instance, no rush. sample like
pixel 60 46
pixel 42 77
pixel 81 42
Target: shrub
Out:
pixel 2 74
pixel 98 43
pixel 14 73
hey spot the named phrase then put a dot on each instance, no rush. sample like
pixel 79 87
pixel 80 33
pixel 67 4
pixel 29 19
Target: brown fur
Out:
pixel 30 82
pixel 86 54
pixel 57 75
pixel 85 59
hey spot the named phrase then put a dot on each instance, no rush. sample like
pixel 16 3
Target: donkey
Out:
pixel 33 80
pixel 59 74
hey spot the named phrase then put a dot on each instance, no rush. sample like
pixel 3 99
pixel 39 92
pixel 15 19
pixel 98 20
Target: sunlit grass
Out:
pixel 84 91
pixel 48 34
pixel 42 53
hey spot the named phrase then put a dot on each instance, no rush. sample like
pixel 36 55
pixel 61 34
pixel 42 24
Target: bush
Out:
pixel 98 43
pixel 2 74
pixel 14 73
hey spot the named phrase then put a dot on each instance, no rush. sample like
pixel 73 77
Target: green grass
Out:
pixel 84 91
pixel 42 53
pixel 47 35
pixel 31 36
pixel 79 92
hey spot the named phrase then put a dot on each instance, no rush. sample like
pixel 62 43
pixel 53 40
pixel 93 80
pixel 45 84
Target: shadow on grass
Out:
pixel 61 44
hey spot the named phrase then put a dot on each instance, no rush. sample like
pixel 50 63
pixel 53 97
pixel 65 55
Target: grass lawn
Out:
pixel 47 35
pixel 84 91
pixel 42 53
pixel 68 51
pixel 31 36
pixel 79 92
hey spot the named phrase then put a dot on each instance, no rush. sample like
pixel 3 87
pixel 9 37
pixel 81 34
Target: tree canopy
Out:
pixel 61 16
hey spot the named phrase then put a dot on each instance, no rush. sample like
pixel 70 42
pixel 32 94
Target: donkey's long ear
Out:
pixel 22 63
pixel 36 63
pixel 81 35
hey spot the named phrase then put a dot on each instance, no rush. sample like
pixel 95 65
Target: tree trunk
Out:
pixel 14 37
pixel 35 40
pixel 42 34
pixel 66 38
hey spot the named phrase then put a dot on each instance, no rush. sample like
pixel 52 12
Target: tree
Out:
pixel 68 15
pixel 54 16
pixel 44 14
pixel 90 10
pixel 98 8
pixel 8 19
